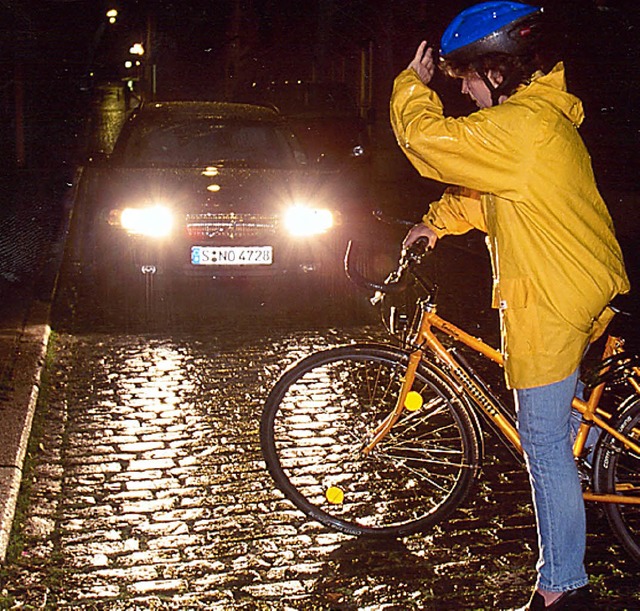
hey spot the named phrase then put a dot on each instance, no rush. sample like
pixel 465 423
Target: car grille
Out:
pixel 230 225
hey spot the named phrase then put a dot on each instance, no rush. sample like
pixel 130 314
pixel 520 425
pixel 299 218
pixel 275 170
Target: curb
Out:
pixel 18 410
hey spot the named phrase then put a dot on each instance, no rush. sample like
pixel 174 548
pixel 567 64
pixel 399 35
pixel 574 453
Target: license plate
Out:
pixel 231 255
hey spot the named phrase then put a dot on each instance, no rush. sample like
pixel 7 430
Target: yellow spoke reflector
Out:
pixel 334 495
pixel 413 401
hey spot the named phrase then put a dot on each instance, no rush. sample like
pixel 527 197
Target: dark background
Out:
pixel 55 52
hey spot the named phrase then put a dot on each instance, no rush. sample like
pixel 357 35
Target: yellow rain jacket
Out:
pixel 525 178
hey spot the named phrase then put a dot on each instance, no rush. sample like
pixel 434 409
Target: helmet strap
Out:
pixel 498 90
pixel 493 89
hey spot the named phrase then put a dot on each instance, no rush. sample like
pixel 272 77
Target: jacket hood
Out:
pixel 553 88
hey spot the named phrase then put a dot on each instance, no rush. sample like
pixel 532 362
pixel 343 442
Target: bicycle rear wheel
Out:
pixel 616 470
pixel 318 417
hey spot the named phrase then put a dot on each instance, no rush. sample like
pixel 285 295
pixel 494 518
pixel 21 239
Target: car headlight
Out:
pixel 304 221
pixel 152 221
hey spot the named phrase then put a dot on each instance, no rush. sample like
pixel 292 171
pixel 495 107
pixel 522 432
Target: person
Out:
pixel 519 171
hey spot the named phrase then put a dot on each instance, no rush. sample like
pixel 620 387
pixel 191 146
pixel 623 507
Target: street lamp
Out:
pixel 136 49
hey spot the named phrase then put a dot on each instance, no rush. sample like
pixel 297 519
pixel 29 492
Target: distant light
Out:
pixel 137 49
pixel 128 64
pixel 112 15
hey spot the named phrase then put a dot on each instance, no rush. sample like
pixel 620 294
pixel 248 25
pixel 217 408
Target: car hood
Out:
pixel 213 189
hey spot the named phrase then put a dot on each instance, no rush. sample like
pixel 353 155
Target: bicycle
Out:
pixel 386 440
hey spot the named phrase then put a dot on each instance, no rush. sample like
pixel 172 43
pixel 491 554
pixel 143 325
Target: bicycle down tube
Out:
pixel 426 336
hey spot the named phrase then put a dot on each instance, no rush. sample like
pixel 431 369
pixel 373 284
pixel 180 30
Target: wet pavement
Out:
pixel 146 488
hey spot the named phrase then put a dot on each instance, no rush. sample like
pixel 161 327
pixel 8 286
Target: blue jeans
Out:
pixel 544 427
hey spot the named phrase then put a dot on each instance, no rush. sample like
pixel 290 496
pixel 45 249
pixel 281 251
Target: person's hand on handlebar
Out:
pixel 420 231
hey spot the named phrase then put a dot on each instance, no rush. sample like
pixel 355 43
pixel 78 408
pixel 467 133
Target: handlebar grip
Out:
pixel 419 248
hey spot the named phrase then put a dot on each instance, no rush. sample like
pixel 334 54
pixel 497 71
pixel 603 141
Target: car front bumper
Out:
pixel 119 254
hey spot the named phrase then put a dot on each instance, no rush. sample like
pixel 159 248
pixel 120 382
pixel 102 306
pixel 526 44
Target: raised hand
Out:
pixel 423 63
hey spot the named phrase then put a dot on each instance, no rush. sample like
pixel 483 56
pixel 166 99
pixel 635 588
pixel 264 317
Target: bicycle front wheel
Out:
pixel 322 412
pixel 616 470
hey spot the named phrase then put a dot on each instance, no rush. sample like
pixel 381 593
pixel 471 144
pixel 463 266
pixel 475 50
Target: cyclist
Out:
pixel 523 176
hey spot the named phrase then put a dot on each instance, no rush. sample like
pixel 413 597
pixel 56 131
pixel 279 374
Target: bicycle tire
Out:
pixel 317 417
pixel 615 466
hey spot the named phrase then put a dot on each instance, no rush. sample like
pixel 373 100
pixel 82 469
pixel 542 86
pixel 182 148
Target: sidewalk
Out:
pixel 24 336
pixel 33 221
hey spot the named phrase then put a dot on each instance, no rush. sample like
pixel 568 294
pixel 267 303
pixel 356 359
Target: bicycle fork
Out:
pixel 407 383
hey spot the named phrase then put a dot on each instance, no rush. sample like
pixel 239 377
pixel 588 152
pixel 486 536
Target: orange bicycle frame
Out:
pixel 426 340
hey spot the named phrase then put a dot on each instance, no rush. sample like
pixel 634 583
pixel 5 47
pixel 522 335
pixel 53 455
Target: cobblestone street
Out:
pixel 148 491
pixel 145 486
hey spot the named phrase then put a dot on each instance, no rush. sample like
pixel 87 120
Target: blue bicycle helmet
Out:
pixel 490 27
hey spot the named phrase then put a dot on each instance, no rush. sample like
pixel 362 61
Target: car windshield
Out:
pixel 206 141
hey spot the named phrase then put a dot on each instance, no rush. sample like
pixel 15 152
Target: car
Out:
pixel 209 191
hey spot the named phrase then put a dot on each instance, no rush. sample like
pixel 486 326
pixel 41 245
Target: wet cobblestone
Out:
pixel 149 492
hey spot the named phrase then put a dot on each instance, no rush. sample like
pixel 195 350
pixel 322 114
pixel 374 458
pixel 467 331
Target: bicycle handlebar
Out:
pixel 397 281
